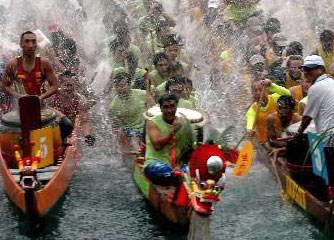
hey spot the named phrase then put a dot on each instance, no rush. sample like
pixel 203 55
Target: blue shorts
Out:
pixel 160 173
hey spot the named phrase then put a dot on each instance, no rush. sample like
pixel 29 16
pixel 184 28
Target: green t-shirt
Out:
pixel 241 11
pixel 187 103
pixel 183 141
pixel 140 73
pixel 157 79
pixel 161 88
pixel 133 49
pixel 130 110
pixel 147 24
pixel 141 10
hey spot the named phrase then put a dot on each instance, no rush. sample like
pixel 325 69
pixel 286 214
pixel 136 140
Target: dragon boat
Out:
pixel 198 188
pixel 35 165
pixel 294 173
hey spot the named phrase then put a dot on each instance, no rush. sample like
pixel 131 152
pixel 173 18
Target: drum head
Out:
pixel 12 119
pixel 293 128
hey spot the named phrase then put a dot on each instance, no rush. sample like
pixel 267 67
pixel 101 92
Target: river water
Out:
pixel 103 203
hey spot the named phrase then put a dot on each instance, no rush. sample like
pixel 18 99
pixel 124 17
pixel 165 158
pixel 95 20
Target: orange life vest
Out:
pixel 261 119
pixel 297 94
pixel 31 81
pixel 289 83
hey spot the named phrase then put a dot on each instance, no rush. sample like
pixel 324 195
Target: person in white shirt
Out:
pixel 320 104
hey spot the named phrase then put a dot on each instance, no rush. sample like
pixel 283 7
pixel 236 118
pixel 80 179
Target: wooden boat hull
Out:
pixel 297 193
pixel 160 199
pixel 45 198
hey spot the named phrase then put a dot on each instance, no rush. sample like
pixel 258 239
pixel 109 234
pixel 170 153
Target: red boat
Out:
pixel 35 167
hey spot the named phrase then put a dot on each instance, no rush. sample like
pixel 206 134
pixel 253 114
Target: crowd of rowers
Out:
pixel 157 70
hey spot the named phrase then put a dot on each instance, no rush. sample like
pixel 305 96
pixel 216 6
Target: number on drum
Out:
pixel 44 147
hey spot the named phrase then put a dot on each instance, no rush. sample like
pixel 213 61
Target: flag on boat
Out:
pixel 318 156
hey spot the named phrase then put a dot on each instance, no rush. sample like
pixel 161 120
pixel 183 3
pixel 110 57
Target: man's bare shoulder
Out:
pixel 45 61
pixel 46 65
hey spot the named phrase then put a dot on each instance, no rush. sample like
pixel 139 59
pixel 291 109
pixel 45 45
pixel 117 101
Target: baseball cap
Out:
pixel 313 61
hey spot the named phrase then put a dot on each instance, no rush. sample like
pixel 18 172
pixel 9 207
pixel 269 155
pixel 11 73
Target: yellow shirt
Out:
pixel 327 57
pixel 257 118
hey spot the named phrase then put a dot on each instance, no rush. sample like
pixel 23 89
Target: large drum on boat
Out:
pixel 197 119
pixel 296 152
pixel 10 133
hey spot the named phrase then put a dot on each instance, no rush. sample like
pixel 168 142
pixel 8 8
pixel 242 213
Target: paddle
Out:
pixel 246 155
pixel 245 160
pixel 273 158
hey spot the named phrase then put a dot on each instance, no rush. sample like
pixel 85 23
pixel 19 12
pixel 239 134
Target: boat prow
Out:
pixel 35 182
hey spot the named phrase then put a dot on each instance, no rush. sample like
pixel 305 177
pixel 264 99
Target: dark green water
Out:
pixel 103 203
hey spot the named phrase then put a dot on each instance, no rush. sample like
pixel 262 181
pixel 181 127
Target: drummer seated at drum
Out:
pixel 168 143
pixel 279 121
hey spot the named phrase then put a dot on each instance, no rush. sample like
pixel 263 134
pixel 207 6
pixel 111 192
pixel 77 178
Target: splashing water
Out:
pixel 224 102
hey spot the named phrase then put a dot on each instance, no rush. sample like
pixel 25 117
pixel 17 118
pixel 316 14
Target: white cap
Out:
pixel 313 61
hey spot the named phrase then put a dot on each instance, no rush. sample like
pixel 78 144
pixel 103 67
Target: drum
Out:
pixel 197 119
pixel 10 133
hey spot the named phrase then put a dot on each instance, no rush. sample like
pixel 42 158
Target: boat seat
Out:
pixel 43 174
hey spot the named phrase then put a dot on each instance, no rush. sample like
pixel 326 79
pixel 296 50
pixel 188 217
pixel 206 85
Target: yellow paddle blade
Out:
pixel 245 160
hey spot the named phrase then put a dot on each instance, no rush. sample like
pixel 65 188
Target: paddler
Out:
pixel 276 70
pixel 158 39
pixel 156 13
pixel 279 121
pixel 257 67
pixel 174 51
pixel 177 86
pixel 326 48
pixel 69 101
pixel 263 106
pixel 28 74
pixel 168 143
pixel 143 8
pixel 320 109
pixel 160 73
pixel 128 106
pixel 175 69
pixel 299 93
pixel 294 74
pixel 320 103
pixel 240 11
